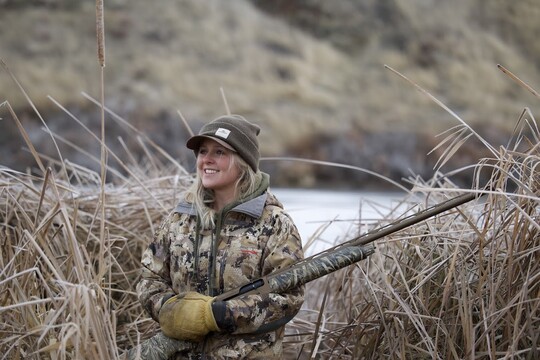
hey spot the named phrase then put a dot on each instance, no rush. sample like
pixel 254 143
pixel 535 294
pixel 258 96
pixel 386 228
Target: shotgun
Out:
pixel 161 347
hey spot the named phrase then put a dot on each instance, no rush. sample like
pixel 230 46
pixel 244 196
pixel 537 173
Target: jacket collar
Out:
pixel 253 207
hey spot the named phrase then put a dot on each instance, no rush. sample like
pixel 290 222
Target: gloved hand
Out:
pixel 188 318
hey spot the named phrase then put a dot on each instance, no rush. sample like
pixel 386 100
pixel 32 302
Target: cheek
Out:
pixel 232 170
pixel 199 163
pixel 226 164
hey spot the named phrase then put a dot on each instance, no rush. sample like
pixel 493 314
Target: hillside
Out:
pixel 312 74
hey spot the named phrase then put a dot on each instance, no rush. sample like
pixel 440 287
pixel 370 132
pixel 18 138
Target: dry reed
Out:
pixel 465 285
pixel 462 285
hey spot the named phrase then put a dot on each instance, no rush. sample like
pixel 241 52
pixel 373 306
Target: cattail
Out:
pixel 100 32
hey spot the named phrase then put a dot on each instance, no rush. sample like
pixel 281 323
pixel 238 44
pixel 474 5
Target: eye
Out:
pixel 202 151
pixel 220 152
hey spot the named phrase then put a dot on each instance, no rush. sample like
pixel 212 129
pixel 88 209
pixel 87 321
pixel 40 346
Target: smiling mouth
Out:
pixel 210 171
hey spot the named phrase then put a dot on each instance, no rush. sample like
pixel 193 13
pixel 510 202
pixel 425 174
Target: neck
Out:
pixel 221 200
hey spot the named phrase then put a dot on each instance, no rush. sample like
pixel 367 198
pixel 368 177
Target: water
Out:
pixel 325 217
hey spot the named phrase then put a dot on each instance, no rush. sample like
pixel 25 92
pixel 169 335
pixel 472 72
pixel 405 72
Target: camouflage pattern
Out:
pixel 158 347
pixel 251 240
pixel 317 267
pixel 302 272
pixel 161 347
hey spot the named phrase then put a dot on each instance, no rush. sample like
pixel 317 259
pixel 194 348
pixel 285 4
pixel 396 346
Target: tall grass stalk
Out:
pixel 104 275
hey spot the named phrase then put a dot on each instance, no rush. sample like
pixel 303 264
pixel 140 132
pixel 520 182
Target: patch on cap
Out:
pixel 223 133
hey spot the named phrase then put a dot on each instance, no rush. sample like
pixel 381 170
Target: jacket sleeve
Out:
pixel 155 284
pixel 263 313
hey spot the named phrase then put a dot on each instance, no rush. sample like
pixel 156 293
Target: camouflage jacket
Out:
pixel 250 240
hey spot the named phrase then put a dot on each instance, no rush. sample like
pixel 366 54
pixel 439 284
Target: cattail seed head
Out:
pixel 100 32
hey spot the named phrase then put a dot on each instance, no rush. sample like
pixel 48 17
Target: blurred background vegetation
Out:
pixel 310 72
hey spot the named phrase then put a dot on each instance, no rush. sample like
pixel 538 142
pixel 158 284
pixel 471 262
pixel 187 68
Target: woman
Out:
pixel 228 231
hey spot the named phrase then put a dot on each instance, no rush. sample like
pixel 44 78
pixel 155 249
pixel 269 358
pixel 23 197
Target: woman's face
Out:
pixel 216 168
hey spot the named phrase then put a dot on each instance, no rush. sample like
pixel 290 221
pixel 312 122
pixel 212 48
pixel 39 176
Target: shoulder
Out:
pixel 275 213
pixel 272 202
pixel 174 219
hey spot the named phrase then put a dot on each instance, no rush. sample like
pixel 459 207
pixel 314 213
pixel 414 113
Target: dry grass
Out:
pixel 465 284
pixel 66 291
pixel 462 285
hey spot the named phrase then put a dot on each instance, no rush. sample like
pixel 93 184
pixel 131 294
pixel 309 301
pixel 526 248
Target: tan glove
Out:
pixel 188 318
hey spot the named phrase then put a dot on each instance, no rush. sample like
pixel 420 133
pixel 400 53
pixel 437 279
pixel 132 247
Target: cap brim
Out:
pixel 195 142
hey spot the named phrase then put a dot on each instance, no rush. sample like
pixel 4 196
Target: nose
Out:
pixel 206 157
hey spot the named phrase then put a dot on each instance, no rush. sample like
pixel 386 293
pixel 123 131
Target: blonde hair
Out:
pixel 203 198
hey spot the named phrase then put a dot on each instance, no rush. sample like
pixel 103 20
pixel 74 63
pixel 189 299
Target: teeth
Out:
pixel 209 171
